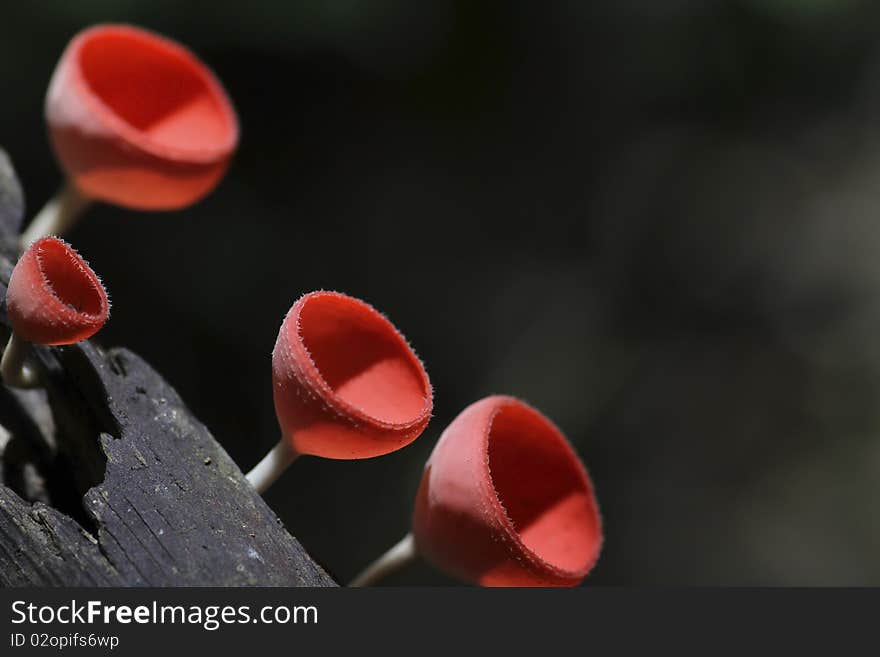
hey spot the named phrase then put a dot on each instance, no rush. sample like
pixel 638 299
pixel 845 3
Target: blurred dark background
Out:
pixel 659 222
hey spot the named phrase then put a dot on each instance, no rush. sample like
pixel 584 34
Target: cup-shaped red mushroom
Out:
pixel 505 500
pixel 136 120
pixel 346 384
pixel 53 298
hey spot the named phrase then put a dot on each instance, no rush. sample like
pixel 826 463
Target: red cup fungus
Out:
pixel 136 120
pixel 504 501
pixel 53 298
pixel 346 384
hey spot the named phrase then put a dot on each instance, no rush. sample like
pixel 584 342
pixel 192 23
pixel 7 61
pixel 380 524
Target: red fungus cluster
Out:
pixel 504 499
pixel 138 120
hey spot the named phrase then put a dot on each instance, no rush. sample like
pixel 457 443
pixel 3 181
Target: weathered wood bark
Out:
pixel 108 480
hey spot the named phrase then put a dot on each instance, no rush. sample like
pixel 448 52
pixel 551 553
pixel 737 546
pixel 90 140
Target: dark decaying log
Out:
pixel 108 480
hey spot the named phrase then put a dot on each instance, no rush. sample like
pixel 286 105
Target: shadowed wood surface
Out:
pixel 108 480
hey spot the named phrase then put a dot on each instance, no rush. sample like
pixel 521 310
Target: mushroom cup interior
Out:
pixel 363 359
pixel 69 278
pixel 543 488
pixel 156 87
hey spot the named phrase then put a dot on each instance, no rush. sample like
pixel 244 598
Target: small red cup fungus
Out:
pixel 136 120
pixel 346 385
pixel 53 298
pixel 504 501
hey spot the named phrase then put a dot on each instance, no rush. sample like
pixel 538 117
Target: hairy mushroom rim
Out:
pixel 363 359
pixel 72 284
pixel 158 88
pixel 543 489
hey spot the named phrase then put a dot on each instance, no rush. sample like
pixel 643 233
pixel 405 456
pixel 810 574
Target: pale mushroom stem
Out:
pixel 400 554
pixel 57 216
pixel 273 464
pixel 13 369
